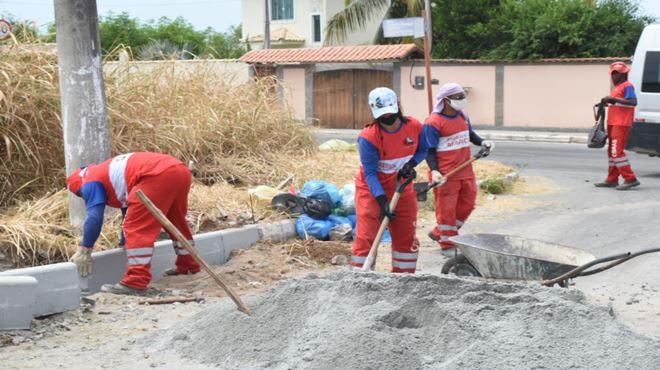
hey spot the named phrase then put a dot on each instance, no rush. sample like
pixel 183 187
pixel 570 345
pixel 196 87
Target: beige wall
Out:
pixel 479 79
pixel 235 72
pixel 301 25
pixel 553 95
pixel 294 90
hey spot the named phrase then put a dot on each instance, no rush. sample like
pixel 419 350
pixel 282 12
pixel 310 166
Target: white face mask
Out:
pixel 459 105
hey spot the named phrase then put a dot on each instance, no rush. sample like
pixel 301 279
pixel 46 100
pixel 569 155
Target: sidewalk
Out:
pixel 497 135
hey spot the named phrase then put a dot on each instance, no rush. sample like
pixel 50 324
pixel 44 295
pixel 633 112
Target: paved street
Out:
pixel 602 221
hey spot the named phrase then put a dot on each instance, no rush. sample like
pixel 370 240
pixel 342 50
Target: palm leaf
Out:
pixel 354 17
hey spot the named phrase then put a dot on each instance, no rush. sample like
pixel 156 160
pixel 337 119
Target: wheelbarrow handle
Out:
pixel 383 225
pixel 617 259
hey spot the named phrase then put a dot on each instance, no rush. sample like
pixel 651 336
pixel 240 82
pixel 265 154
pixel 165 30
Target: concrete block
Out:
pixel 278 231
pixel 163 258
pixel 108 267
pixel 242 238
pixel 58 287
pixel 211 247
pixel 18 295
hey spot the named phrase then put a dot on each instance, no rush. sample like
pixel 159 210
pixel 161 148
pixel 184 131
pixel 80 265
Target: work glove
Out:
pixel 385 208
pixel 408 170
pixel 437 178
pixel 488 145
pixel 83 259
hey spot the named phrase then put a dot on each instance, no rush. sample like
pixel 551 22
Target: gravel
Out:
pixel 386 321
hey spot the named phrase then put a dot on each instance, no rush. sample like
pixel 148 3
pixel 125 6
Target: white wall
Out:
pixel 235 72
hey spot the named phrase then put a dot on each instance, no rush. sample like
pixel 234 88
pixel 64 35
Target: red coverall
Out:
pixel 395 149
pixel 166 181
pixel 455 200
pixel 619 121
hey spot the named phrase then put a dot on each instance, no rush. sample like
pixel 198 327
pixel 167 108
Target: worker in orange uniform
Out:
pixel 162 178
pixel 620 113
pixel 449 133
pixel 390 147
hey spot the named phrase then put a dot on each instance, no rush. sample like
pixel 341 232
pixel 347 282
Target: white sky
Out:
pixel 219 14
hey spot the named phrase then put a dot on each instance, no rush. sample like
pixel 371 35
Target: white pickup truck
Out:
pixel 645 76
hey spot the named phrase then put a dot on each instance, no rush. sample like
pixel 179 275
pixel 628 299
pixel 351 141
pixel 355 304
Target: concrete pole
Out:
pixel 428 26
pixel 82 91
pixel 267 25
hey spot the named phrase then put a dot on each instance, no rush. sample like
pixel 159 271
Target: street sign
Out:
pixel 5 29
pixel 403 27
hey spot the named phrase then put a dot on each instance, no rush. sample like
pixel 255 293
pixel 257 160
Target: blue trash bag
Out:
pixel 387 237
pixel 318 229
pixel 322 190
pixel 338 220
pixel 353 219
pixel 347 205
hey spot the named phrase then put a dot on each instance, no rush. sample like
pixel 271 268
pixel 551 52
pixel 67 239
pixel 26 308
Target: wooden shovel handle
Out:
pixel 193 252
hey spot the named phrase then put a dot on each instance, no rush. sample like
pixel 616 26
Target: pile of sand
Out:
pixel 385 321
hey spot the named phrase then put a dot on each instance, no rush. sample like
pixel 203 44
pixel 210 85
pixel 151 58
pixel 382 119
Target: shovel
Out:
pixel 481 154
pixel 383 225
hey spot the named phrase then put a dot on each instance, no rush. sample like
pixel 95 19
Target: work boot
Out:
pixel 606 184
pixel 174 272
pixel 433 237
pixel 120 288
pixel 628 185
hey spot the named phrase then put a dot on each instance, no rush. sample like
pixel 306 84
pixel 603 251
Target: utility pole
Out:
pixel 266 25
pixel 82 91
pixel 427 62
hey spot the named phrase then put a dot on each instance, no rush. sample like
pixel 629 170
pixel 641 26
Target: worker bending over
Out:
pixel 162 178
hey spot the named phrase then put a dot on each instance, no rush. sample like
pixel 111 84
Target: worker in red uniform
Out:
pixel 620 113
pixel 449 133
pixel 390 147
pixel 162 178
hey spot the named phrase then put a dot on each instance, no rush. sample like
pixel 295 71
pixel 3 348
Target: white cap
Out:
pixel 383 100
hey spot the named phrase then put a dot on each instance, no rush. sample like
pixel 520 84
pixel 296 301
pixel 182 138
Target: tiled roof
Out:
pixel 333 54
pixel 280 34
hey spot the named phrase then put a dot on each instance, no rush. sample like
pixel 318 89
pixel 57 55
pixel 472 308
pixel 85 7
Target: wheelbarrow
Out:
pixel 498 256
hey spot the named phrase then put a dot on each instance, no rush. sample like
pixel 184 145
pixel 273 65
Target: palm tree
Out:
pixel 358 13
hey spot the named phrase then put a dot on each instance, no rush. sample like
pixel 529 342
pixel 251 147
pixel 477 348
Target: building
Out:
pixel 297 23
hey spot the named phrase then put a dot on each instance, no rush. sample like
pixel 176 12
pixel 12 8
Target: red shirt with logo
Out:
pixel 453 143
pixel 619 114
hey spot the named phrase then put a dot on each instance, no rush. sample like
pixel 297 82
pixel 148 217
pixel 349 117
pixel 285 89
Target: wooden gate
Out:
pixel 341 96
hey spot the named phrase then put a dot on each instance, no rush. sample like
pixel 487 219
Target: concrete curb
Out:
pixel 56 288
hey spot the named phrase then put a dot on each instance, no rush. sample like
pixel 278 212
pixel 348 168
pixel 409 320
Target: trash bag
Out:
pixel 262 195
pixel 316 189
pixel 347 204
pixel 336 145
pixel 287 203
pixel 387 237
pixel 353 219
pixel 597 135
pixel 341 233
pixel 339 220
pixel 307 227
pixel 318 209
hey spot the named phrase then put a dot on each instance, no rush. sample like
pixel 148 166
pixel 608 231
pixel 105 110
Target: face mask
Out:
pixel 388 121
pixel 459 105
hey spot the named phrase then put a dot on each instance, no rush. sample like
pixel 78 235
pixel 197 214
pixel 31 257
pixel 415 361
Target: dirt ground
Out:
pixel 106 332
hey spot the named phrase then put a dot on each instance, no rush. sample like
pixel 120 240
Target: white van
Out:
pixel 645 76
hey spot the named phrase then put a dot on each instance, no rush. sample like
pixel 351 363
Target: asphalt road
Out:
pixel 602 221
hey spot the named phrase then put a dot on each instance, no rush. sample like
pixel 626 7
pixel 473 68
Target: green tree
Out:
pixel 122 30
pixel 223 45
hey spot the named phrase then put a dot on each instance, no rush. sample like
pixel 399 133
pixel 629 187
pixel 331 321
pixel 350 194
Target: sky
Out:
pixel 218 14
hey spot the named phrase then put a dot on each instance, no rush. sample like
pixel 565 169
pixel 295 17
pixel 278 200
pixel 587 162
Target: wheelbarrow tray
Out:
pixel 509 257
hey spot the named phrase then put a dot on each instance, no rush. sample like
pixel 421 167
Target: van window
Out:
pixel 651 77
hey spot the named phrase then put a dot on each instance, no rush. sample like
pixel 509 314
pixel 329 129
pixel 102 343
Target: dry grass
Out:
pixel 237 133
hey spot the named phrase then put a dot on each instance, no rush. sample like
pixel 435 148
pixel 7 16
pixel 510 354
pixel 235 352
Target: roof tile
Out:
pixel 333 54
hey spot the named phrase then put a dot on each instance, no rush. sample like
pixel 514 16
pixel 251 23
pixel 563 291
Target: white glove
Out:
pixel 489 145
pixel 83 259
pixel 437 178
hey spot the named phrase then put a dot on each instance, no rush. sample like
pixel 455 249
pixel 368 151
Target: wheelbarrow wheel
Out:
pixel 459 266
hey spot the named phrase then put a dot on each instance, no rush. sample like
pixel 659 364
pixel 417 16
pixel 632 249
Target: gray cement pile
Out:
pixel 385 321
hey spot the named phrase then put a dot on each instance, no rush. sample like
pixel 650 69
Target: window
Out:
pixel 281 10
pixel 651 76
pixel 316 27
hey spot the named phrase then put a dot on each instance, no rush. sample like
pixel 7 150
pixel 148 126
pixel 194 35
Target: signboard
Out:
pixel 403 27
pixel 5 29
